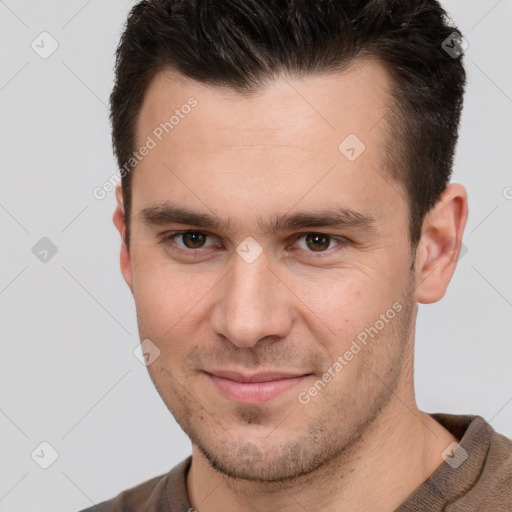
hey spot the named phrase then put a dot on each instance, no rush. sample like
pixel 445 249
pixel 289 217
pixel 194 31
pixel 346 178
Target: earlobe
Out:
pixel 119 220
pixel 440 244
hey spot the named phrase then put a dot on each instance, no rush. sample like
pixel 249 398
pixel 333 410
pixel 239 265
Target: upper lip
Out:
pixel 255 377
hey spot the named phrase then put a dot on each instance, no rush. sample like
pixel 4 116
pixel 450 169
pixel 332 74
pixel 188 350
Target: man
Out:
pixel 285 205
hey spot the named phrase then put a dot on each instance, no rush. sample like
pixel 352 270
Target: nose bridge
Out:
pixel 252 305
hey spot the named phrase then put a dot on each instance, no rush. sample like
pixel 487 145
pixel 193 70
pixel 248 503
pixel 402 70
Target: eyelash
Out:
pixel 168 238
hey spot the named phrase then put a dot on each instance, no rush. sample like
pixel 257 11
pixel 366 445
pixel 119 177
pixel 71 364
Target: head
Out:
pixel 308 164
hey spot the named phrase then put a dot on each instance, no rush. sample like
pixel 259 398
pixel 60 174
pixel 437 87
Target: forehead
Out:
pixel 351 100
pixel 296 140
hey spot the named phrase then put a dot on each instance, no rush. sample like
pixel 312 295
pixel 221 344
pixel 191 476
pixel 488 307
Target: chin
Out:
pixel 256 463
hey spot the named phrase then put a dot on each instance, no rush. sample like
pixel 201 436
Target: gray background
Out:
pixel 68 327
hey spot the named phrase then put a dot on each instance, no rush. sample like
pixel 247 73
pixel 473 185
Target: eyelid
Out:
pixel 341 241
pixel 169 237
pixel 299 236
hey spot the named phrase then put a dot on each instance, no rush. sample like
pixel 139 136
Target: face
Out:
pixel 294 272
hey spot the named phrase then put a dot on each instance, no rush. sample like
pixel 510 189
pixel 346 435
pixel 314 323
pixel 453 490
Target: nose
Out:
pixel 252 304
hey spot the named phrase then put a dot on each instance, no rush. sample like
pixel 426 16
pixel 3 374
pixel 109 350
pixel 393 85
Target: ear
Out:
pixel 440 244
pixel 119 220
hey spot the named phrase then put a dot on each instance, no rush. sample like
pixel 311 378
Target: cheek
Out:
pixel 344 303
pixel 163 296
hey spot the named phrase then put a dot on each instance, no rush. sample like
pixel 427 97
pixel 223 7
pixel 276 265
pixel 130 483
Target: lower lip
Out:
pixel 254 392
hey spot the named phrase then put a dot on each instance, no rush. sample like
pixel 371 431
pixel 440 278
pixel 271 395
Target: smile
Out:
pixel 255 389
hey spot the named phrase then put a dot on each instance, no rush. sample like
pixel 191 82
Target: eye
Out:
pixel 195 242
pixel 191 240
pixel 317 242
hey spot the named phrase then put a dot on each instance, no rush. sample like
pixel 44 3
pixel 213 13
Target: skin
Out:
pixel 361 441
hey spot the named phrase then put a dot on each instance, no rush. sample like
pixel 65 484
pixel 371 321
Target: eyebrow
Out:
pixel 337 218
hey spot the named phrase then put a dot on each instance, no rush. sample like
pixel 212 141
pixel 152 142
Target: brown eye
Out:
pixel 193 240
pixel 317 242
pixel 192 244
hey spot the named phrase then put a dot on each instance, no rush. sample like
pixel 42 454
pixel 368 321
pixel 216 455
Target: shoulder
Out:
pixel 153 495
pixel 496 477
pixel 492 485
pixel 132 499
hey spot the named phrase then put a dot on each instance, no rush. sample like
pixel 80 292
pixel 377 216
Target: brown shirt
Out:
pixel 475 479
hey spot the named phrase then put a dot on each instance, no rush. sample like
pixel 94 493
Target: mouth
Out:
pixel 256 388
